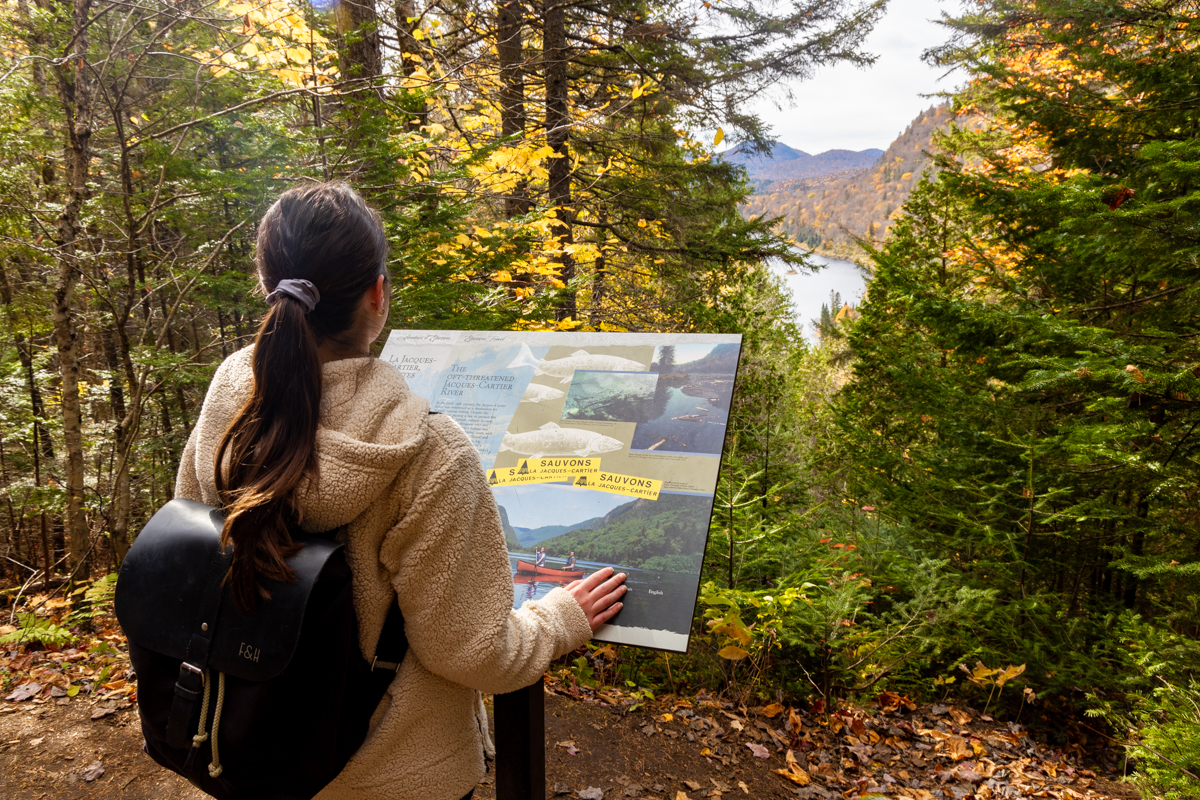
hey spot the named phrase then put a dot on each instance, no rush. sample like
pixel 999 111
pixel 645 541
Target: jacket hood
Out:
pixel 370 427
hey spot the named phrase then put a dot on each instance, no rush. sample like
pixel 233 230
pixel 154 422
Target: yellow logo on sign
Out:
pixel 544 470
pixel 631 485
pixel 514 476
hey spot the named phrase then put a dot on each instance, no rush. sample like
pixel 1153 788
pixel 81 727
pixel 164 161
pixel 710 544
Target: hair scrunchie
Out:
pixel 303 291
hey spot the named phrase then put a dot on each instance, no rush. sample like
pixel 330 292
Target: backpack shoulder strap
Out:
pixel 393 643
pixel 190 684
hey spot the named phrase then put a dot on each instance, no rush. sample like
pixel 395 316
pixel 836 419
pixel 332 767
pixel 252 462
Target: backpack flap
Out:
pixel 167 585
pixel 258 645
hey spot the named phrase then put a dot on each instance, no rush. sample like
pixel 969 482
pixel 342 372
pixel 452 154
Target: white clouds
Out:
pixel 854 109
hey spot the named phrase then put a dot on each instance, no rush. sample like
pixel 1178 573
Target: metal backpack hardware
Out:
pixel 268 704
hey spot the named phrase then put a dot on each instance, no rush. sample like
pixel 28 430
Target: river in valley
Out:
pixel 810 290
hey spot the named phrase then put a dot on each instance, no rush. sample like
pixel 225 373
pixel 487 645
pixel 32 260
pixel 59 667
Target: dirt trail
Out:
pixel 77 749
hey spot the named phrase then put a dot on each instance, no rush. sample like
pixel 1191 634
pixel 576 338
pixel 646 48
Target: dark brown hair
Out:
pixel 324 233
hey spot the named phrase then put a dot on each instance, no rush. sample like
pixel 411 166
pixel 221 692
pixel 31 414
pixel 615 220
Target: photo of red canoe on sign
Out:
pixel 548 573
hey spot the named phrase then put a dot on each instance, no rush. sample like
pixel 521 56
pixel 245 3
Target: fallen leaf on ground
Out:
pixel 957 748
pixel 793 771
pixel 92 771
pixel 758 750
pixel 693 785
pixel 102 712
pixel 795 728
pixel 890 702
pixel 968 775
pixel 24 692
pixel 960 718
pixel 591 793
pixel 37 741
pixel 742 785
pixel 681 796
pixel 772 711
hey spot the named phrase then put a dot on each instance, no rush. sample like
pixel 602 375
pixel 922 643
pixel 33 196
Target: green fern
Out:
pixel 35 629
pixel 93 600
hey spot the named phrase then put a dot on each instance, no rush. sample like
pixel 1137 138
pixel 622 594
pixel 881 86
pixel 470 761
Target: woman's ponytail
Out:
pixel 325 238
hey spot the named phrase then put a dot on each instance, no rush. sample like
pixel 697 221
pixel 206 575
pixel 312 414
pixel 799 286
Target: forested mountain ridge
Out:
pixel 667 534
pixel 828 213
pixel 722 359
pixel 531 536
pixel 787 163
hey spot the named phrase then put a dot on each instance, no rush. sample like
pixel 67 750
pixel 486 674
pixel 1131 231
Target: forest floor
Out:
pixel 69 729
pixel 88 745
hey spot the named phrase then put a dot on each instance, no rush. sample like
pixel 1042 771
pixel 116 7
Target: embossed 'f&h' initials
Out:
pixel 249 652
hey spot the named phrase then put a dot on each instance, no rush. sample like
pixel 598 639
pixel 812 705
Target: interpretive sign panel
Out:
pixel 602 449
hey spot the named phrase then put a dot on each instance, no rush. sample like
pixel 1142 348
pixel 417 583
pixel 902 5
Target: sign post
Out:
pixel 521 744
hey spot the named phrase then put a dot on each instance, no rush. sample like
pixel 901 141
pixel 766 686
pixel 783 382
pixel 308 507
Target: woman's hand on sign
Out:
pixel 598 595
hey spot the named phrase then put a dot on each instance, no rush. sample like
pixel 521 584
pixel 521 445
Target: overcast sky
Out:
pixel 855 109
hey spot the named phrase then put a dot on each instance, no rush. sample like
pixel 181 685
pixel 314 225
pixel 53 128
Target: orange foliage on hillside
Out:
pixel 830 212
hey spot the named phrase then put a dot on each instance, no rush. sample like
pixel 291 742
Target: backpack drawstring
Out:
pixel 214 769
pixel 201 736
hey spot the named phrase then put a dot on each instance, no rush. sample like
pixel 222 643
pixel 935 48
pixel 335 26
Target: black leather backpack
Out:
pixel 268 704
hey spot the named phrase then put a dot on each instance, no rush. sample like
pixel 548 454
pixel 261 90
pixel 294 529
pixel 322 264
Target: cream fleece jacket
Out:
pixel 422 528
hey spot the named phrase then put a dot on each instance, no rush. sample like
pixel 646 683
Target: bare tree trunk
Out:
pixel 360 59
pixel 406 22
pixel 358 23
pixel 122 442
pixel 558 122
pixel 510 51
pixel 75 94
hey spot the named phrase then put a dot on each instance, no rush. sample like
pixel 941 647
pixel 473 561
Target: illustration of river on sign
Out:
pixel 690 408
pixel 658 544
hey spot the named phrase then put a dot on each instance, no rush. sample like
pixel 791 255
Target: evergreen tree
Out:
pixel 1024 394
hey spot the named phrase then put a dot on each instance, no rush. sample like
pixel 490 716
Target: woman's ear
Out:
pixel 379 295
